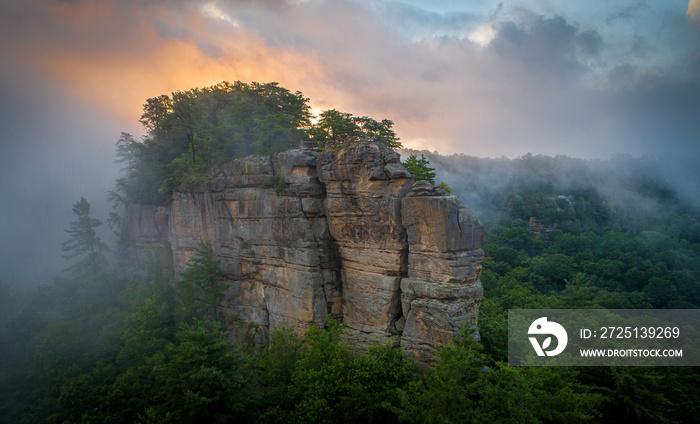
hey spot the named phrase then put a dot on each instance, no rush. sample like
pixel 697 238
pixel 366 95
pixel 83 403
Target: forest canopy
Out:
pixel 562 234
pixel 189 132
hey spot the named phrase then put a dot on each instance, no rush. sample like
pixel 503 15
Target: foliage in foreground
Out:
pixel 129 354
pixel 92 348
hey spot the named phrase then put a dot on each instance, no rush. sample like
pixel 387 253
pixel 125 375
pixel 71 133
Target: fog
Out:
pixel 583 79
pixel 54 151
pixel 649 184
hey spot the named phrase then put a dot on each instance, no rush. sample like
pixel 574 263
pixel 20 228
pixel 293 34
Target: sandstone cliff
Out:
pixel 303 234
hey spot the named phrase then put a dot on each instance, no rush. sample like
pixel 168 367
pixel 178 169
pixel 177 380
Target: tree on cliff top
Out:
pixel 339 126
pixel 190 132
pixel 239 119
pixel 420 168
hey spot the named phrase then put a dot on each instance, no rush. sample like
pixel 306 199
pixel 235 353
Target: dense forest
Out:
pixel 562 233
pixel 190 132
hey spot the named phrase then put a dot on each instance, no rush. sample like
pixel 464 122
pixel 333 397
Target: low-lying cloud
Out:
pixel 585 79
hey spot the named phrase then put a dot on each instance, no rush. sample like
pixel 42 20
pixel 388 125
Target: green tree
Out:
pixel 205 380
pixel 445 393
pixel 339 126
pixel 189 132
pixel 493 328
pixel 379 129
pixel 334 126
pixel 84 241
pixel 536 395
pixel 640 394
pixel 56 356
pixel 155 112
pixel 275 368
pixel 149 330
pixel 201 284
pixel 460 389
pixel 328 385
pixel 126 153
pixel 420 168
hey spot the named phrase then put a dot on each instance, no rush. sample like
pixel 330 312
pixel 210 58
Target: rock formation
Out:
pixel 303 234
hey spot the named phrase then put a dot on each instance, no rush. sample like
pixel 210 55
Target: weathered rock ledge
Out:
pixel 303 234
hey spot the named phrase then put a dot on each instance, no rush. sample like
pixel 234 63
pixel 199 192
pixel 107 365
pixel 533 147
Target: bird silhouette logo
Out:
pixel 551 328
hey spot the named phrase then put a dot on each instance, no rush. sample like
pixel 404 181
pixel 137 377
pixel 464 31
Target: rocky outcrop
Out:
pixel 364 187
pixel 303 234
pixel 442 291
pixel 145 229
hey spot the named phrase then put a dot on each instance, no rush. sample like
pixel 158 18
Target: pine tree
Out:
pixel 84 241
pixel 420 168
pixel 201 286
pixel 205 380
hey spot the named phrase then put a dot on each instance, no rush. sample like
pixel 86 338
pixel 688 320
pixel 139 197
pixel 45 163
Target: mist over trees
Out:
pixel 84 241
pixel 629 192
pixel 562 233
pixel 190 132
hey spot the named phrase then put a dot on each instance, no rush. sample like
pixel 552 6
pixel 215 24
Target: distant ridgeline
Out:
pixel 574 233
pixel 563 193
pixel 190 132
pixel 334 225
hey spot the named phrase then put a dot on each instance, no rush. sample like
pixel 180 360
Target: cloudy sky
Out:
pixel 488 78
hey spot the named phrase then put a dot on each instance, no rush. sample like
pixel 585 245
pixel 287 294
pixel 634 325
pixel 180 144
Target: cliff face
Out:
pixel 303 234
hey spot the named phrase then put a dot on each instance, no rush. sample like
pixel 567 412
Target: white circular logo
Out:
pixel 542 326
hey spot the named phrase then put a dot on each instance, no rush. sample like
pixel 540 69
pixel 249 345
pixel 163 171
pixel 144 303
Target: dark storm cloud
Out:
pixel 662 114
pixel 544 44
pixel 589 43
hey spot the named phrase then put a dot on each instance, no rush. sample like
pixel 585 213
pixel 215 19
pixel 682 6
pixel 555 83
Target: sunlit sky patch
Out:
pixel 483 35
pixel 212 10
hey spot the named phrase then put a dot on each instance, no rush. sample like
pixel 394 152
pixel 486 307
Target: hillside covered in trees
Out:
pixel 190 132
pixel 562 233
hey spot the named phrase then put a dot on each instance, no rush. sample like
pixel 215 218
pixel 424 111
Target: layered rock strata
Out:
pixel 303 234
pixel 364 187
pixel 442 291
